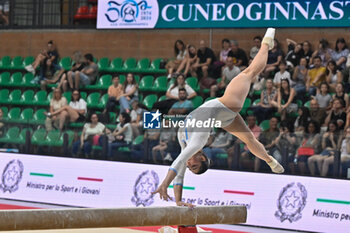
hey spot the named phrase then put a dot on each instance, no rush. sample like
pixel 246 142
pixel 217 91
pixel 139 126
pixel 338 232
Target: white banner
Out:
pixel 281 201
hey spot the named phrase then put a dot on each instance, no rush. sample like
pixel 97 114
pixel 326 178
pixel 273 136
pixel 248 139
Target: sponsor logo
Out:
pixel 291 202
pixel 11 176
pixel 145 184
pixel 151 120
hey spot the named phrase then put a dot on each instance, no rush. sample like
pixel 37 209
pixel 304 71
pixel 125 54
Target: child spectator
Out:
pixel 281 74
pixel 323 97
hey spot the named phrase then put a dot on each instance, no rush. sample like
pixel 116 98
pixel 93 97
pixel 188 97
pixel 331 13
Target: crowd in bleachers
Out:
pixel 298 106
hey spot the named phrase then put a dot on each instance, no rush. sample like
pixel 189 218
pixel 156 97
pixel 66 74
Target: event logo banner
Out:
pixel 221 14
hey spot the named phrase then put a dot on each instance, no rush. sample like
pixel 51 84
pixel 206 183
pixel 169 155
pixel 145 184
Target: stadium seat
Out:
pixel 193 82
pixel 70 136
pixel 155 67
pixel 14 97
pixel 92 12
pixel 146 83
pixel 103 101
pixel 4 96
pixel 265 125
pixel 246 105
pixel 68 96
pixel 21 139
pixel 116 65
pixel 160 84
pixel 82 13
pixel 17 63
pixel 38 136
pixel 170 83
pixel 26 80
pixel 102 84
pixel 13 115
pixel 10 135
pixel 49 98
pixel 307 104
pixel 103 64
pixel 256 102
pixel 5 63
pixel 162 98
pixel 129 65
pixel 149 100
pixel 5 110
pixel 83 95
pixel 209 98
pixel 27 97
pixel 66 63
pixel 143 65
pixel 5 79
pixel 197 101
pixel 28 61
pixel 53 138
pixel 16 80
pixel 40 98
pixel 93 100
pixel 138 140
pixel 25 117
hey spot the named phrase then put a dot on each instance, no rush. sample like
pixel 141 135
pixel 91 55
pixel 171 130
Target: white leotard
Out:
pixel 193 139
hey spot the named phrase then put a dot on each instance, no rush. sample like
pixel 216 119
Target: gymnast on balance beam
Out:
pixel 225 109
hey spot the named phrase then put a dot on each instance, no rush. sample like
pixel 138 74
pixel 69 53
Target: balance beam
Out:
pixel 123 217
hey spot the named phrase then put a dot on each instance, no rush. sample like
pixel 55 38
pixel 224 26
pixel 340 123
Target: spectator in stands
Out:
pixel 136 116
pixel 50 54
pixel 183 105
pixel 229 72
pixel 345 77
pixel 307 52
pixel 286 101
pixel 151 139
pixel 337 114
pixel 344 149
pixel 87 76
pixel 239 56
pixel 4 12
pixel 299 77
pixel 323 97
pixel 180 53
pixel 78 65
pixel 311 143
pixel 317 114
pixel 281 74
pixel 56 116
pixel 294 53
pixel 341 52
pixel 173 94
pixel 205 61
pixel 329 147
pixel 315 76
pixel 333 75
pixel 130 93
pixel 1 123
pixel 255 49
pixel 115 91
pixel 122 134
pixel 267 138
pixel 219 145
pixel 49 74
pixel 265 107
pixel 274 58
pixel 167 135
pixel 90 136
pixel 302 119
pixel 340 94
pixel 189 61
pixel 226 48
pixel 323 51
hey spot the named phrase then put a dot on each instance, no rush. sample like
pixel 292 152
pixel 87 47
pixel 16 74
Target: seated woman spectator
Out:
pixel 286 101
pixel 337 114
pixel 87 76
pixel 115 91
pixel 56 116
pixel 167 136
pixel 91 134
pixel 302 120
pixel 307 52
pixel 299 77
pixel 341 52
pixel 333 75
pixel 78 65
pixel 329 147
pixel 173 94
pixel 189 61
pixel 323 51
pixel 255 49
pixel 265 108
pixel 226 48
pixel 310 144
pixel 340 94
pixel 274 59
pixel 323 97
pixel 130 93
pixel 122 134
pixel 180 53
pixel 136 116
pixel 344 149
pixel 50 53
pixel 294 53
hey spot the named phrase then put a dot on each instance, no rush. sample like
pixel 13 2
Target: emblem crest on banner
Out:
pixel 291 202
pixel 11 176
pixel 146 183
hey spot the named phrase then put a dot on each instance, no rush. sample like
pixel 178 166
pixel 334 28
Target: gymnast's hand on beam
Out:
pixel 163 193
pixel 189 205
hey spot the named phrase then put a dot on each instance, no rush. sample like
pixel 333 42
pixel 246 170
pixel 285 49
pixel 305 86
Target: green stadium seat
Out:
pixel 53 138
pixel 116 65
pixel 143 65
pixel 40 98
pixel 26 81
pixel 257 93
pixel 246 105
pixel 209 98
pixel 129 65
pixel 256 102
pixel 49 97
pixel 265 125
pixel 146 83
pixel 103 64
pixel 13 115
pixel 193 82
pixel 103 101
pixel 300 103
pixel 4 96
pixel 93 100
pixel 155 67
pixel 76 125
pixel 197 101
pixel 102 84
pixel 170 83
pixel 5 110
pixel 15 97
pixel 5 63
pixel 16 80
pixel 138 140
pixel 112 117
pixel 27 97
pixel 39 136
pixel 66 63
pixel 11 135
pixel 149 100
pixel 68 96
pixel 162 98
pixel 26 116
pixel 70 136
pixel 83 95
pixel 307 104
pixel 160 84
pixel 21 139
pixel 122 78
pixel 5 79
pixel 17 63
pixel 28 61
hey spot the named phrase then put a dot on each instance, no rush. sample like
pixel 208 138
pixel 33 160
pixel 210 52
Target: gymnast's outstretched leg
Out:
pixel 235 95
